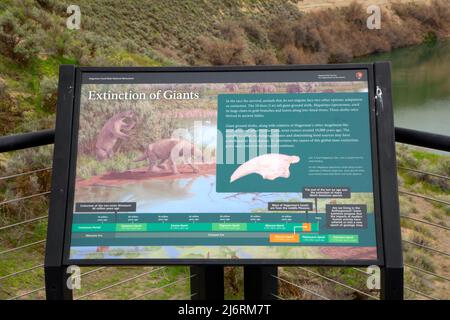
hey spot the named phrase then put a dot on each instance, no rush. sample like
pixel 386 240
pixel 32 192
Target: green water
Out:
pixel 421 86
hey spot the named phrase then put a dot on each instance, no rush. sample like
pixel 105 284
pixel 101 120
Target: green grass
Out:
pixel 89 166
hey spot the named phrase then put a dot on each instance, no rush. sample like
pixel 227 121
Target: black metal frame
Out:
pixel 204 73
pixel 392 270
pixel 260 283
pixel 55 272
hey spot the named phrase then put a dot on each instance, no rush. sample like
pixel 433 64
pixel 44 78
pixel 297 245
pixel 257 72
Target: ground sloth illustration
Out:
pixel 114 129
pixel 165 153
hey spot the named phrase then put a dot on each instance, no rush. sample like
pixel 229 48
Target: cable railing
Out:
pixel 445 254
pixel 43 138
pixel 40 194
pixel 427 272
pixel 338 283
pixel 420 293
pixel 146 293
pixel 119 283
pixel 22 247
pixel 43 288
pixel 21 174
pixel 23 222
pixel 423 197
pixel 425 222
pixel 424 172
pixel 21 271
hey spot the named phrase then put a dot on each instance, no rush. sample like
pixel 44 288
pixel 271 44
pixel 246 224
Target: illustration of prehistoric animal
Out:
pixel 114 129
pixel 269 166
pixel 299 88
pixel 231 87
pixel 262 88
pixel 165 153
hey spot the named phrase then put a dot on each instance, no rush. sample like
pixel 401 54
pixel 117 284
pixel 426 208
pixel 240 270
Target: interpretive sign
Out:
pixel 240 165
pixel 232 165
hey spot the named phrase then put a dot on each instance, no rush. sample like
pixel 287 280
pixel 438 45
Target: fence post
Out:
pixel 55 271
pixel 391 283
pixel 260 283
pixel 207 282
pixel 56 287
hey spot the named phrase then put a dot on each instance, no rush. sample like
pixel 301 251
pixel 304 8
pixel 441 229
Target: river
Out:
pixel 421 86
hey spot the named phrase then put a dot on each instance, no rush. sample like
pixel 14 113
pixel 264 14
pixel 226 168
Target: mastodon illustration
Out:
pixel 114 129
pixel 262 88
pixel 269 166
pixel 166 153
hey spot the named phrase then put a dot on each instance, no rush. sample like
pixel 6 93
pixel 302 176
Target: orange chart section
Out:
pixel 284 237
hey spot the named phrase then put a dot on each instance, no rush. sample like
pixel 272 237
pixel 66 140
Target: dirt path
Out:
pixel 311 5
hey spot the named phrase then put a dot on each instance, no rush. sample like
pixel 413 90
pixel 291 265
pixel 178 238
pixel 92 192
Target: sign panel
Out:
pixel 274 166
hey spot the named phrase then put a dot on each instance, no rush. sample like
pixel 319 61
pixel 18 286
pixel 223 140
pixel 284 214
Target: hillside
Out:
pixel 34 42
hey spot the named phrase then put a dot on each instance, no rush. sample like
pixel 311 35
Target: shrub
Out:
pixel 434 15
pixel 8 28
pixel 254 31
pixel 230 30
pixel 49 93
pixel 355 14
pixel 15 41
pixel 294 55
pixel 281 32
pixel 25 49
pixel 46 4
pixel 2 88
pixel 221 52
pixel 265 57
pixel 341 53
pixel 306 35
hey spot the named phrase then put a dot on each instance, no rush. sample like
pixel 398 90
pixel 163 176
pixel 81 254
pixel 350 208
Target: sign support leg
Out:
pixel 56 283
pixel 207 282
pixel 260 283
pixel 392 271
pixel 391 283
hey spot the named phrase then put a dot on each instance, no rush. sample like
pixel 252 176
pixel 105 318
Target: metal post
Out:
pixel 260 283
pixel 56 284
pixel 392 270
pixel 55 273
pixel 391 283
pixel 207 282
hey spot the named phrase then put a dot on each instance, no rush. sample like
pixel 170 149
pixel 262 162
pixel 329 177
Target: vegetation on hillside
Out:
pixel 34 41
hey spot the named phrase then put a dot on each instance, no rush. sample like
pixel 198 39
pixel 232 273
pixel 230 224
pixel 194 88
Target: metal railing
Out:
pixel 407 136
